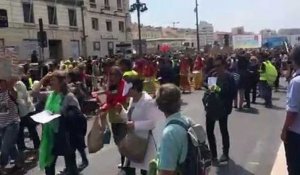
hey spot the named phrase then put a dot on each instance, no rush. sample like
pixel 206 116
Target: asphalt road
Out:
pixel 254 136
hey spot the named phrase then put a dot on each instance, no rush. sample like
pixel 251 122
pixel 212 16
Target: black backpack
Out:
pixel 198 158
pixel 213 105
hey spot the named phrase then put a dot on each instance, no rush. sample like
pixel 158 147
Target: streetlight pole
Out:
pixel 139 7
pixel 139 26
pixel 197 25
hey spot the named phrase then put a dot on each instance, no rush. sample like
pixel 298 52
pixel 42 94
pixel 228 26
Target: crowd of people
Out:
pixel 142 96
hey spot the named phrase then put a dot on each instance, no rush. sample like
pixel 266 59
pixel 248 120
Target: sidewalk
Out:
pixel 279 167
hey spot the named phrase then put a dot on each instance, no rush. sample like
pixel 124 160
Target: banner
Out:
pixel 273 42
pixel 246 41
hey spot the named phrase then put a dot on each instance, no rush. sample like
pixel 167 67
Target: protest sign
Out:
pixel 247 41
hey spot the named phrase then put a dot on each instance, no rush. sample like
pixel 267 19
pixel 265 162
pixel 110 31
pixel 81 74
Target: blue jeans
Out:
pixel 292 152
pixel 266 92
pixel 9 135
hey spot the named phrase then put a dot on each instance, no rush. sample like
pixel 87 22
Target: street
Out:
pixel 254 136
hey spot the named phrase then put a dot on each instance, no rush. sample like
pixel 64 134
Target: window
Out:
pixel 119 5
pixel 95 24
pixel 121 26
pixel 72 18
pixel 110 47
pixel 192 44
pixel 52 15
pixel 28 13
pixel 109 26
pixel 2 45
pixel 96 45
pixel 75 48
pixel 106 4
pixel 93 4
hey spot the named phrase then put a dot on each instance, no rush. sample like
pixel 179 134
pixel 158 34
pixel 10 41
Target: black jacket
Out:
pixel 228 90
pixel 71 132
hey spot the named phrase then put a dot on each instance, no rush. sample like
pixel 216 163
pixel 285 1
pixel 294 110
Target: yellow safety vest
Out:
pixel 270 73
pixel 30 82
pixel 130 74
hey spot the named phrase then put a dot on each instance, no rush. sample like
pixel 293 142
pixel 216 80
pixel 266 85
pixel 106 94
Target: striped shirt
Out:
pixel 8 110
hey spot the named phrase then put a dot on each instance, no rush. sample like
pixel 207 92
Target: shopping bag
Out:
pixel 133 147
pixel 95 137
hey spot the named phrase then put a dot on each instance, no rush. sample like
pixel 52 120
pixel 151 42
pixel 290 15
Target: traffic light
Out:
pixel 3 18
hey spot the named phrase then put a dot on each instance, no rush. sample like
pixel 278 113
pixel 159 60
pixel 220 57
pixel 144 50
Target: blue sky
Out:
pixel 223 14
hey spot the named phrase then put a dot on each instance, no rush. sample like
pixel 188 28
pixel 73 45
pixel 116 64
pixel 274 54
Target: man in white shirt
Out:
pixel 291 129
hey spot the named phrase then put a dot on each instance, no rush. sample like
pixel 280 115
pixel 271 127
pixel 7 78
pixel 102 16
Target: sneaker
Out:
pixel 83 165
pixel 63 172
pixel 224 159
pixel 120 166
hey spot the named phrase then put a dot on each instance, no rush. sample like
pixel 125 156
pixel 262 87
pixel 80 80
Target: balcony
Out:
pixel 68 2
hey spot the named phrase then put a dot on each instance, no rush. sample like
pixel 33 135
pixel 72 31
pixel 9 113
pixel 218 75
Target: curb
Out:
pixel 279 167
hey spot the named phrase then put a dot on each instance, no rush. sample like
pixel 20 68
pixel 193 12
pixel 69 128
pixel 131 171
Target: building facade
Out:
pixel 265 33
pixel 206 33
pixel 238 30
pixel 176 38
pixel 107 24
pixel 62 23
pixel 219 37
pixel 147 32
pixel 292 31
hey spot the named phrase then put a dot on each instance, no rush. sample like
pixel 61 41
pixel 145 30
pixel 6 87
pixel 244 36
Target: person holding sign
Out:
pixel 55 135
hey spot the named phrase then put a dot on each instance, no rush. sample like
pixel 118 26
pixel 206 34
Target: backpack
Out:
pixel 198 158
pixel 213 105
pixel 236 78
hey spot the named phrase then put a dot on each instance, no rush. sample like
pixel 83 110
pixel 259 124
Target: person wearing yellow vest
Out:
pixel 268 74
pixel 126 67
pixel 30 82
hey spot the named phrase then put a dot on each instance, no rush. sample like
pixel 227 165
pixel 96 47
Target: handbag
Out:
pixel 132 146
pixel 95 137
